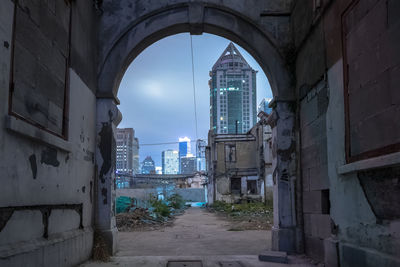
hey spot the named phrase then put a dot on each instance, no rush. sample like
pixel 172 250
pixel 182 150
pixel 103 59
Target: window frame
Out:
pixel 65 122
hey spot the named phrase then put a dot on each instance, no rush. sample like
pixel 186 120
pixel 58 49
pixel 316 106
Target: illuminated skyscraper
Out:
pixel 170 161
pixel 127 151
pixel 263 106
pixel 184 149
pixel 232 93
pixel 188 164
pixel 148 166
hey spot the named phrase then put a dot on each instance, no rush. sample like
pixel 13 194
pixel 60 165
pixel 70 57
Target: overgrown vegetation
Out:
pixel 176 201
pixel 160 207
pixel 245 216
pixel 245 208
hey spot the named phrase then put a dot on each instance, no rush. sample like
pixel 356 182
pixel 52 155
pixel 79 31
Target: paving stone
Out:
pixel 184 264
pixel 231 264
pixel 274 256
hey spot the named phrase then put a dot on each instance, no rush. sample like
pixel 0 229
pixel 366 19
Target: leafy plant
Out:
pixel 176 201
pixel 160 208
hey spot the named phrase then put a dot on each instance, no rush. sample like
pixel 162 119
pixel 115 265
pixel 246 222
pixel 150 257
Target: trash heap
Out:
pixel 136 215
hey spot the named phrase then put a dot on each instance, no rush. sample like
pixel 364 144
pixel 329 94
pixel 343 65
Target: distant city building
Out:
pixel 158 170
pixel 188 164
pixel 263 106
pixel 201 154
pixel 170 161
pixel 148 166
pixel 232 94
pixel 127 160
pixel 184 149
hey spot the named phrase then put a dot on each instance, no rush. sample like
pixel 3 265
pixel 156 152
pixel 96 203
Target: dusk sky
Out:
pixel 156 92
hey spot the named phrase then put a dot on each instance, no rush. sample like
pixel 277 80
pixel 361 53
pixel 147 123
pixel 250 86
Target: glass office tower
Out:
pixel 184 149
pixel 233 107
pixel 170 161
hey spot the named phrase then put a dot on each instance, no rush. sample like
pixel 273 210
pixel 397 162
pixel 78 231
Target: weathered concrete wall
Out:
pixel 47 197
pixel 51 178
pixel 189 194
pixel 342 217
pixel 127 27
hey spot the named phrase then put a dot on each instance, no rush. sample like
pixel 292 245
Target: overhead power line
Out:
pixel 194 86
pixel 166 143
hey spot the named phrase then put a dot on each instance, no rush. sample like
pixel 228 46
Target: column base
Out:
pixel 284 239
pixel 110 238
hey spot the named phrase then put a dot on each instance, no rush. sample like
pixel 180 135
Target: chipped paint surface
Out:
pixel 32 161
pixel 49 157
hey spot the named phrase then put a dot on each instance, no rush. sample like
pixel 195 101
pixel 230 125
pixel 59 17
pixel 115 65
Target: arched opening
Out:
pixel 129 38
pixel 156 102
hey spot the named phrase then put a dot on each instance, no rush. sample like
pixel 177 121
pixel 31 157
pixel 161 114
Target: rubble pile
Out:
pixel 140 219
pixel 135 215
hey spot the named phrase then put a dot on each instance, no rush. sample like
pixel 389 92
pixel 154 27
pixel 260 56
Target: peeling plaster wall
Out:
pixel 340 225
pixel 47 197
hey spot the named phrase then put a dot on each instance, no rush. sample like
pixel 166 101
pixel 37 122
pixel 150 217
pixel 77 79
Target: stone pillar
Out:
pixel 108 117
pixel 282 122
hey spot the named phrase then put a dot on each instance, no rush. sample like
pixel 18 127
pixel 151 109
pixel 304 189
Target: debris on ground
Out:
pixel 150 215
pixel 245 216
pixel 100 251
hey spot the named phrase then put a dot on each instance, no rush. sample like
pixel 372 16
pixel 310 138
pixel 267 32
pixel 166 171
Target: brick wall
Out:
pixel 371 38
pixel 317 222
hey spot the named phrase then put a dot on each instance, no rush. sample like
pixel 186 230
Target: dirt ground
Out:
pixel 200 235
pixel 196 232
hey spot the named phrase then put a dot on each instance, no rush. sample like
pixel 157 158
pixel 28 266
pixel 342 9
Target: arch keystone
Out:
pixel 196 18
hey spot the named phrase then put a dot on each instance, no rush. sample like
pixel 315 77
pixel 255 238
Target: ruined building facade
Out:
pixel 333 67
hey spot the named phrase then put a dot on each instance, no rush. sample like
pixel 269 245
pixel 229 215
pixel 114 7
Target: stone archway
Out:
pixel 128 27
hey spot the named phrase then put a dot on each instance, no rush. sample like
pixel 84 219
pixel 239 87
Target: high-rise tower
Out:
pixel 127 151
pixel 232 93
pixel 184 149
pixel 170 161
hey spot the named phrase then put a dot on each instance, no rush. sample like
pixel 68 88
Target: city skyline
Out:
pixel 151 82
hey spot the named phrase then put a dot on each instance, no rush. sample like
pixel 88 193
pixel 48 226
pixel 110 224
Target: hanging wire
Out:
pixel 194 86
pixel 166 143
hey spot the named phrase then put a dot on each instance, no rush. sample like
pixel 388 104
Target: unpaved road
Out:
pixel 196 232
pixel 197 235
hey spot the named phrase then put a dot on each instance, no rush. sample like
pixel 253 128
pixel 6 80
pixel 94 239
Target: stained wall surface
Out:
pixel 333 68
pixel 348 105
pixel 47 137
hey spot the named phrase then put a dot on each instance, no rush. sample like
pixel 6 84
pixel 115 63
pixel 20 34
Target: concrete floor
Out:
pixel 196 235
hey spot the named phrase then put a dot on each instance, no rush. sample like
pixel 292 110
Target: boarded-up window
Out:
pixel 371 41
pixel 40 62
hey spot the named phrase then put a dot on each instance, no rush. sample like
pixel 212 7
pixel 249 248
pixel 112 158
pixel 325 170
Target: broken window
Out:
pixel 236 186
pixel 230 153
pixel 251 187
